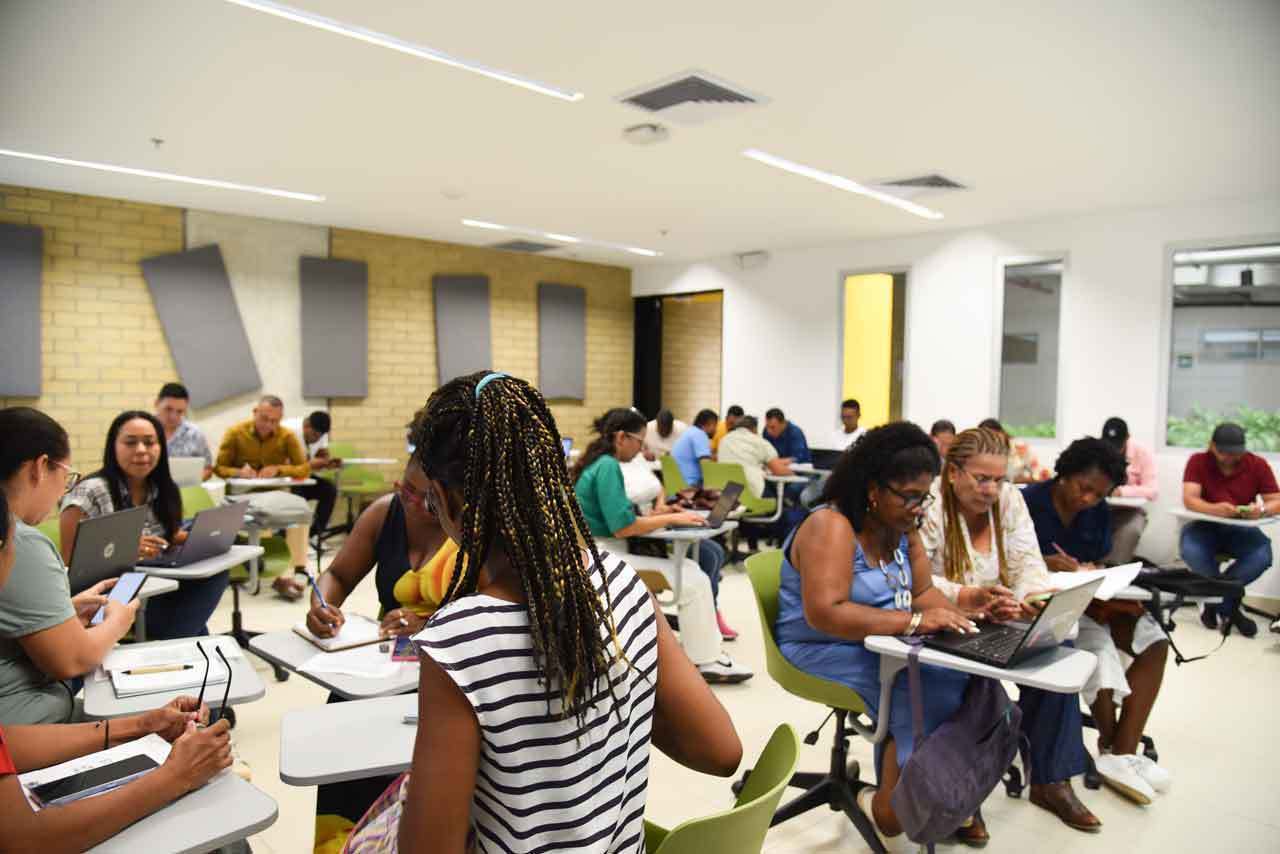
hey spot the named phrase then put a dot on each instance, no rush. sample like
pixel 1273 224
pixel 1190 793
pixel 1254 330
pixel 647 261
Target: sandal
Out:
pixel 1060 799
pixel 287 588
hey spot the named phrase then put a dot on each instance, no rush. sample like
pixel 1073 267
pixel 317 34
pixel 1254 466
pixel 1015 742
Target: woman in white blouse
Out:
pixel 978 533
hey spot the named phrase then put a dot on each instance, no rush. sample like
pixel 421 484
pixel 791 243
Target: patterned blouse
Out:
pixel 93 497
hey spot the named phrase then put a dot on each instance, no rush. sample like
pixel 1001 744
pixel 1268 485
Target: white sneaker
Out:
pixel 1275 625
pixel 899 844
pixel 1121 771
pixel 723 671
pixel 1158 777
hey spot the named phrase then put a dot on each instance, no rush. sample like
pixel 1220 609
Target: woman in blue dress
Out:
pixel 856 567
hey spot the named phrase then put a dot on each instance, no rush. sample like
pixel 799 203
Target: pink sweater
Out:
pixel 1141 473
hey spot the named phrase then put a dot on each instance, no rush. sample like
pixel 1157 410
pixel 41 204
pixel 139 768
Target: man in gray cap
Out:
pixel 1230 482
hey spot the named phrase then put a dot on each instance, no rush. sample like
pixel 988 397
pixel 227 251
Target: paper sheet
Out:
pixel 1113 580
pixel 368 662
pixel 150 745
pixel 356 631
pixel 179 652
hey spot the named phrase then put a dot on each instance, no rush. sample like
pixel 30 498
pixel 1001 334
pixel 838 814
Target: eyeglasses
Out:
pixel 73 476
pixel 983 480
pixel 634 436
pixel 221 710
pixel 911 502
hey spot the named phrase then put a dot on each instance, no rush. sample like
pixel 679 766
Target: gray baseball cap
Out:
pixel 1229 438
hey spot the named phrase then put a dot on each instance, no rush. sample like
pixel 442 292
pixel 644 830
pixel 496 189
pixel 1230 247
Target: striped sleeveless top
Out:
pixel 545 784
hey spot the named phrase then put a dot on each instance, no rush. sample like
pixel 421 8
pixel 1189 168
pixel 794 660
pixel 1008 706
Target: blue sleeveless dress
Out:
pixel 850 663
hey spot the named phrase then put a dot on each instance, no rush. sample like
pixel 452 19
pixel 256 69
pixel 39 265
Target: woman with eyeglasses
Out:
pixel 983 550
pixel 412 559
pixel 856 567
pixel 135 473
pixel 46 641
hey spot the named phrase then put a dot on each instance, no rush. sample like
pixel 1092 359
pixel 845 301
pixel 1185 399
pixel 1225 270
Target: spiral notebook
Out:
pixel 356 631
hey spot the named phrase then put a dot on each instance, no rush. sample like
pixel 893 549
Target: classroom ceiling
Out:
pixel 1041 108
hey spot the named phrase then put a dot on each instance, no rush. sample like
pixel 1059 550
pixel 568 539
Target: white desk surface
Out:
pixel 373 736
pixel 1062 670
pixel 100 699
pixel 803 468
pixel 1192 516
pixel 154 586
pixel 655 465
pixel 1135 502
pixel 368 461
pixel 290 651
pixel 245 484
pixel 690 534
pixel 785 478
pixel 223 811
pixel 208 567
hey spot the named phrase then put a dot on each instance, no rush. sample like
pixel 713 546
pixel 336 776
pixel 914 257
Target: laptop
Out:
pixel 187 471
pixel 728 500
pixel 212 533
pixel 825 459
pixel 105 547
pixel 1007 644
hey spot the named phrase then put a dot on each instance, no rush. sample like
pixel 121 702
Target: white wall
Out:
pixel 262 263
pixel 781 321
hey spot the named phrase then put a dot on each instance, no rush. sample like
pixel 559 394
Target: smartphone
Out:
pixel 403 649
pixel 94 781
pixel 126 590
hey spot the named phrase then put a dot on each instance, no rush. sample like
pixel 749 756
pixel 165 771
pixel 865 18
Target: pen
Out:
pixel 158 668
pixel 316 588
pixel 1058 548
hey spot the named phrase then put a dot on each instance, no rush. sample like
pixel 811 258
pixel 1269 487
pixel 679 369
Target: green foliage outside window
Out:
pixel 1262 428
pixel 1042 430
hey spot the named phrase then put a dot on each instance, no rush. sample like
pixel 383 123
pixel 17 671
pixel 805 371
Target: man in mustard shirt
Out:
pixel 261 448
pixel 730 421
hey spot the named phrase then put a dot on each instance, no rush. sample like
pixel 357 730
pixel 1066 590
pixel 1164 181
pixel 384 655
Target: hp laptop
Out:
pixel 212 533
pixel 105 547
pixel 728 500
pixel 1007 644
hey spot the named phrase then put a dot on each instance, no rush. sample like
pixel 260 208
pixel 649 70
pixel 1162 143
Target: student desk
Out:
pixel 100 699
pixel 681 539
pixel 225 810
pixel 1135 502
pixel 366 461
pixel 237 485
pixel 288 650
pixel 780 482
pixel 804 468
pixel 1184 515
pixel 374 739
pixel 151 587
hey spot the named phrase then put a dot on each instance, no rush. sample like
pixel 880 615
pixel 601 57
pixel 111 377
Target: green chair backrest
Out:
pixel 354 476
pixel 765 571
pixel 672 480
pixel 716 475
pixel 740 830
pixel 195 499
pixel 49 527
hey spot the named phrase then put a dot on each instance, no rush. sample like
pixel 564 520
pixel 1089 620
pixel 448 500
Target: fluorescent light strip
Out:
pixel 164 176
pixel 562 238
pixel 320 22
pixel 839 182
pixel 1243 254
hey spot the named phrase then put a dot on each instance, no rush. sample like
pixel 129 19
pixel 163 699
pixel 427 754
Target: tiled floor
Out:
pixel 1216 727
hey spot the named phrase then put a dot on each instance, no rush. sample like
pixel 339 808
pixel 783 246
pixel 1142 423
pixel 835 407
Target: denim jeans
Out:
pixel 185 612
pixel 1202 542
pixel 711 558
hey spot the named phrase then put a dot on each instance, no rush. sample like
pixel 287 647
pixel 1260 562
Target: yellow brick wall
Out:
pixel 402 350
pixel 103 350
pixel 692 330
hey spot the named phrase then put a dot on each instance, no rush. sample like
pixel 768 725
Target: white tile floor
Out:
pixel 1215 726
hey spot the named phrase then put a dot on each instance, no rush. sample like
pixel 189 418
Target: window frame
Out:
pixel 1002 262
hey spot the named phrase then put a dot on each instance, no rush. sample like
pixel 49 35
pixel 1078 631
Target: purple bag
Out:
pixel 953 769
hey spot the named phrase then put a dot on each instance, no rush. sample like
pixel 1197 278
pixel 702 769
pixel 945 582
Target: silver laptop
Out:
pixel 187 471
pixel 105 547
pixel 212 533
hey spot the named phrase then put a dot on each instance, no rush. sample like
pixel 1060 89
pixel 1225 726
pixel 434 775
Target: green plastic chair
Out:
pixel 360 485
pixel 195 499
pixel 740 830
pixel 672 480
pixel 837 788
pixel 49 527
pixel 716 475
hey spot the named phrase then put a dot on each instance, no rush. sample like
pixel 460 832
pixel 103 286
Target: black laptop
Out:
pixel 727 501
pixel 1007 644
pixel 212 533
pixel 825 459
pixel 105 547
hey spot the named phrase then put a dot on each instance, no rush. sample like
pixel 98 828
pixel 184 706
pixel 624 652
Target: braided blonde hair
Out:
pixel 968 444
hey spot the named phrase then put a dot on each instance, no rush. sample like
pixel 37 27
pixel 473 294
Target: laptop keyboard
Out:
pixel 997 645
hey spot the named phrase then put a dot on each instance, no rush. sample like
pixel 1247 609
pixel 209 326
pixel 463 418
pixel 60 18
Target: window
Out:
pixel 1224 363
pixel 1029 348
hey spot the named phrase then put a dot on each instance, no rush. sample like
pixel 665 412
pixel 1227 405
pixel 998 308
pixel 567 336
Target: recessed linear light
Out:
pixel 320 22
pixel 164 176
pixel 561 238
pixel 840 182
pixel 1241 254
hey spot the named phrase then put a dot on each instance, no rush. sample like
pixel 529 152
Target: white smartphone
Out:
pixel 126 590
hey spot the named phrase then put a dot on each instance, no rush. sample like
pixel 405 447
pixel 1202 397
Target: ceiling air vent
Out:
pixel 920 185
pixel 691 97
pixel 524 246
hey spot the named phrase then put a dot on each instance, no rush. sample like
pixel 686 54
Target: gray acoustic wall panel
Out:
pixel 562 341
pixel 202 324
pixel 462 325
pixel 21 248
pixel 335 327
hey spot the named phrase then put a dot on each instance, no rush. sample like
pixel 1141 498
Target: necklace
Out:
pixel 898 581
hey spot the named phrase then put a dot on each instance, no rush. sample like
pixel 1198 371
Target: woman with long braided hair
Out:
pixel 547 672
pixel 981 542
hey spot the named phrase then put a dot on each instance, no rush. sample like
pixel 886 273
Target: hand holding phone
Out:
pixel 125 591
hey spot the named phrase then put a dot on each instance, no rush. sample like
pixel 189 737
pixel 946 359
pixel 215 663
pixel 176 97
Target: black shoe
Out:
pixel 1244 625
pixel 1209 618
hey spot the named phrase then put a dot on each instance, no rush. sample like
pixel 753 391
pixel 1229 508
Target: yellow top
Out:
pixel 422 590
pixel 241 444
pixel 722 430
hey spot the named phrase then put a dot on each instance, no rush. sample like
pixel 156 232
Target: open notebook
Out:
pixel 356 631
pixel 134 672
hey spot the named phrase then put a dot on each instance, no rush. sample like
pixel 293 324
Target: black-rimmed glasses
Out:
pixel 73 476
pixel 911 502
pixel 226 693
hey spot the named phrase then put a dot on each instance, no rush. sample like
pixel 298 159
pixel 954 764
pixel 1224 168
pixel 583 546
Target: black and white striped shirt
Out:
pixel 545 784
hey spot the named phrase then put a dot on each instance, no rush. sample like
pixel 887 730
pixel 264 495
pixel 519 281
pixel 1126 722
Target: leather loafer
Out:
pixel 1060 799
pixel 973 833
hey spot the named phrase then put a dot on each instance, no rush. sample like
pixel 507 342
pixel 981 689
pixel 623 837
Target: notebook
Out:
pixel 123 665
pixel 356 631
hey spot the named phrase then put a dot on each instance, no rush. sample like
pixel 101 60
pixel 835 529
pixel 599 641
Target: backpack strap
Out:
pixel 1178 658
pixel 916 689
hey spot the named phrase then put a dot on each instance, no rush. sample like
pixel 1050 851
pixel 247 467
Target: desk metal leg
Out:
pixel 679 549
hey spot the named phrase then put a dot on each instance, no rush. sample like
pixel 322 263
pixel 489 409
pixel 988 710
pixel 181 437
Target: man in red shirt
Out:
pixel 1230 482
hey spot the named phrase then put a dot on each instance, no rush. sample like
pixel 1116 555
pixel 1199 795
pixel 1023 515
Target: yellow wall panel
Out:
pixel 868 345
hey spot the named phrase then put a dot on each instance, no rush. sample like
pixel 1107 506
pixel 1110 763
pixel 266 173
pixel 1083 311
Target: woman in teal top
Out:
pixel 856 567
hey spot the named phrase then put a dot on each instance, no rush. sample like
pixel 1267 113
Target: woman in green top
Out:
pixel 611 516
